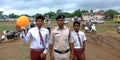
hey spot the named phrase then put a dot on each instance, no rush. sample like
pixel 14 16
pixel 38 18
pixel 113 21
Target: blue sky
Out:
pixel 32 7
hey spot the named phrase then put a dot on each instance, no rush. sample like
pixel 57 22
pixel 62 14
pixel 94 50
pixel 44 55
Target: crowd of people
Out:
pixel 60 41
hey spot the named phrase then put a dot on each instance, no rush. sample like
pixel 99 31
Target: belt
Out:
pixel 78 49
pixel 62 52
pixel 37 49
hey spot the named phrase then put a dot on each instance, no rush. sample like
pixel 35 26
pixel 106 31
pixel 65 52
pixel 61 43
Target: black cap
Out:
pixel 60 16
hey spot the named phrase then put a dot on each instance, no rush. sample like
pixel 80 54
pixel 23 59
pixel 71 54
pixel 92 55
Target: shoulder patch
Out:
pixel 54 28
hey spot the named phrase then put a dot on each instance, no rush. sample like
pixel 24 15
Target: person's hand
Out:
pixel 71 56
pixel 19 28
pixel 42 55
pixel 51 57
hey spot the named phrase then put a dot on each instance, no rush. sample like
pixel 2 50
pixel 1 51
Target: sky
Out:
pixel 31 7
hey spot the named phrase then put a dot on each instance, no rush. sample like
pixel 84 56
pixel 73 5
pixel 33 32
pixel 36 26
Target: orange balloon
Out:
pixel 22 21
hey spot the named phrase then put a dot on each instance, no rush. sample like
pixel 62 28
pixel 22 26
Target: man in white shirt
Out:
pixel 79 42
pixel 40 39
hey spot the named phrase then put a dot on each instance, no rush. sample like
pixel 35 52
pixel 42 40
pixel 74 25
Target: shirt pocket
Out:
pixel 66 37
pixel 57 36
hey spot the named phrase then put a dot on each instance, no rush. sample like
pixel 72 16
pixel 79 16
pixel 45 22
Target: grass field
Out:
pixel 7 25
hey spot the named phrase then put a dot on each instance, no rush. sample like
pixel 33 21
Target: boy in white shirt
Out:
pixel 40 39
pixel 79 42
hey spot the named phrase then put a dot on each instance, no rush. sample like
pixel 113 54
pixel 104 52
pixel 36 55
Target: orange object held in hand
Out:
pixel 22 21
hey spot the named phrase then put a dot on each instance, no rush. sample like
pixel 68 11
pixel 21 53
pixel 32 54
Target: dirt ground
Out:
pixel 98 47
pixel 103 47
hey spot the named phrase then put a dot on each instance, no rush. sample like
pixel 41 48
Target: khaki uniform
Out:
pixel 60 40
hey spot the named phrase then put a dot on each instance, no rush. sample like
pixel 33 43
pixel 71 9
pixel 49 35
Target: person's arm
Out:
pixel 47 43
pixel 71 46
pixel 84 46
pixel 51 47
pixel 46 46
pixel 84 40
pixel 25 37
pixel 83 53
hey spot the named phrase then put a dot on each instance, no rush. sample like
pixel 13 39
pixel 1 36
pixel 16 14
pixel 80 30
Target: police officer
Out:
pixel 61 45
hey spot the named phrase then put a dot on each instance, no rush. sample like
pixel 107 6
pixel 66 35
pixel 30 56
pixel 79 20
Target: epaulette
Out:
pixel 54 28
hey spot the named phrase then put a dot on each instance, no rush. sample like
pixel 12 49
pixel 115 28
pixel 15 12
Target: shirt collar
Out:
pixel 37 28
pixel 77 33
pixel 63 28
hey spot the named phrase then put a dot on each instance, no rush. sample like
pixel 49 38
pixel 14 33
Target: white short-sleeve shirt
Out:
pixel 82 36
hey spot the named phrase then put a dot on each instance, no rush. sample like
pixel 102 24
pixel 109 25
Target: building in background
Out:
pixel 93 15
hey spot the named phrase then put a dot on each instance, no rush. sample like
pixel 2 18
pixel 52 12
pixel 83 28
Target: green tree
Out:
pixel 101 11
pixel 68 14
pixel 24 15
pixel 51 14
pixel 84 11
pixel 37 14
pixel 110 13
pixel 77 13
pixel 12 15
pixel 59 11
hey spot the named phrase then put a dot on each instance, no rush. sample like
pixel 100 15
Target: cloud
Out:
pixel 42 6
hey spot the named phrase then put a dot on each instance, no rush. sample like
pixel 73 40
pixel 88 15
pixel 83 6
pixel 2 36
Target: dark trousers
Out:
pixel 79 54
pixel 35 55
